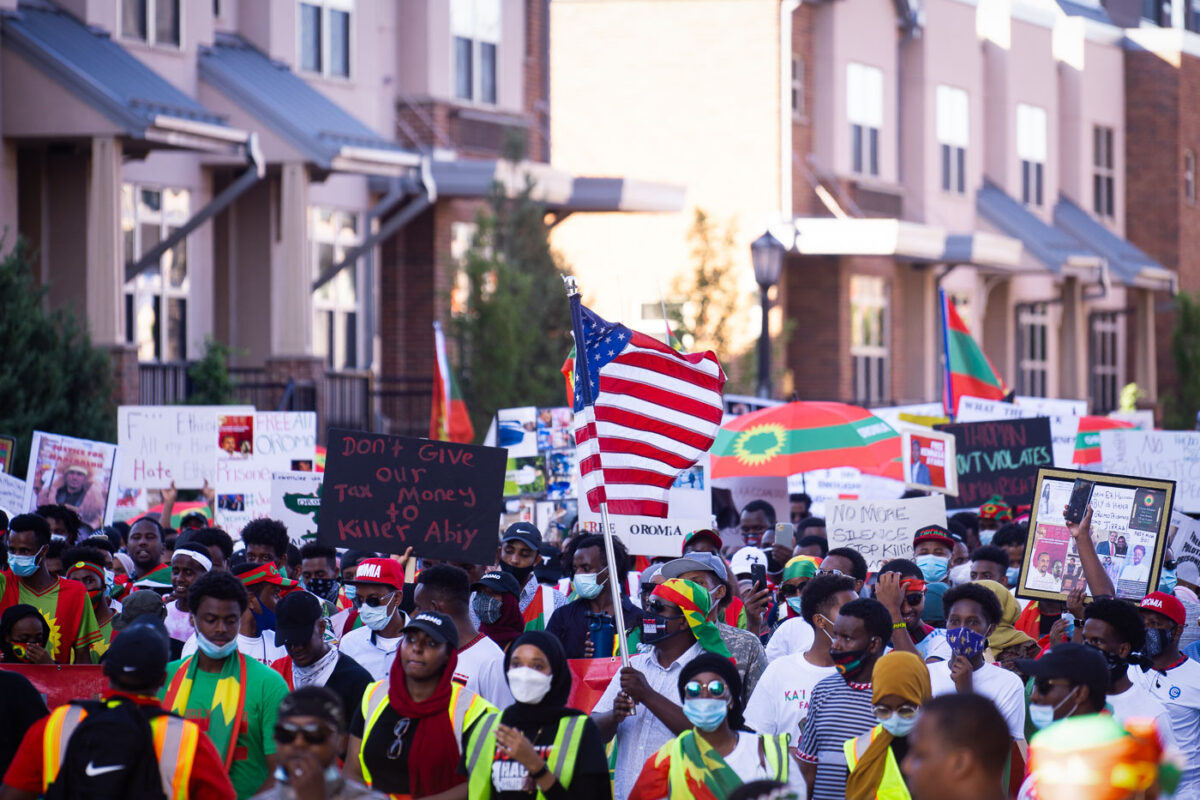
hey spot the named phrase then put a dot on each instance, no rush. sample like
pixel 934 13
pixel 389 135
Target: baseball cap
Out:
pixel 1078 663
pixel 254 574
pixel 140 653
pixel 695 562
pixel 525 532
pixel 934 533
pixel 438 626
pixel 295 616
pixel 144 602
pixel 498 582
pixel 704 533
pixel 379 570
pixel 744 559
pixel 1166 604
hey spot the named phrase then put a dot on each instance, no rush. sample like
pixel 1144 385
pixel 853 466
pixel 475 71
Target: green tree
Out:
pixel 52 378
pixel 514 330
pixel 211 382
pixel 1181 407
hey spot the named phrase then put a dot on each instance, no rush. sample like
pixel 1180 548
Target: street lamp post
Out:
pixel 766 253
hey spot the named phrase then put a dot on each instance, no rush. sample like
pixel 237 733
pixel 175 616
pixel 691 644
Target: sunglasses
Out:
pixel 1043 684
pixel 373 602
pixel 904 712
pixel 313 733
pixel 790 590
pixel 656 607
pixel 715 688
pixel 1169 564
pixel 914 598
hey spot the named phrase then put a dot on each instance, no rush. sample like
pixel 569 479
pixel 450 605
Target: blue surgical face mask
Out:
pixel 1042 715
pixel 794 604
pixel 1011 575
pixel 898 726
pixel 375 617
pixel 351 590
pixel 24 566
pixel 985 537
pixel 213 650
pixel 706 713
pixel 934 568
pixel 587 585
pixel 1167 581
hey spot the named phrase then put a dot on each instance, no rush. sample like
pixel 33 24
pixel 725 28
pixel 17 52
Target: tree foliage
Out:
pixel 52 378
pixel 211 383
pixel 1180 411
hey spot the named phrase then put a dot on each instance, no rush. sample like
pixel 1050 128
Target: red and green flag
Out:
pixel 448 420
pixel 568 373
pixel 968 370
pixel 1087 440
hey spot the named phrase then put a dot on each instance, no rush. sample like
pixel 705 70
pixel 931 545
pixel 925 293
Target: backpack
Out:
pixel 116 734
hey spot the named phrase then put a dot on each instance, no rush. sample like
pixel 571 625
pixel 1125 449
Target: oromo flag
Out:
pixel 968 370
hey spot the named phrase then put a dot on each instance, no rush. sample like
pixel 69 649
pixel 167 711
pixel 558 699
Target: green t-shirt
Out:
pixel 211 691
pixel 68 610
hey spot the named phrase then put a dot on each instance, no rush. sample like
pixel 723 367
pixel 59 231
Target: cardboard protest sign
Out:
pixel 296 502
pixel 689 508
pixel 389 493
pixel 1170 455
pixel 929 460
pixel 1063 416
pixel 882 529
pixel 825 485
pixel 1130 528
pixel 1000 457
pixel 165 444
pixel 281 441
pixel 12 494
pixel 7 445
pixel 71 472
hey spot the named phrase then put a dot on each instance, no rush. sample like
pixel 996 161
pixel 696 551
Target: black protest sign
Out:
pixel 1000 457
pixel 389 493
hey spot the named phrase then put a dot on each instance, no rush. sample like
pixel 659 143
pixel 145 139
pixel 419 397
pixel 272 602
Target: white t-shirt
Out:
pixel 1179 691
pixel 481 669
pixel 792 637
pixel 261 648
pixel 373 652
pixel 1137 702
pixel 935 646
pixel 178 623
pixel 781 698
pixel 997 684
pixel 745 761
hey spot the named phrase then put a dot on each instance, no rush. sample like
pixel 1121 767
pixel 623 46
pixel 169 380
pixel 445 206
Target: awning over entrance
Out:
pixel 1127 263
pixel 1052 248
pixel 905 241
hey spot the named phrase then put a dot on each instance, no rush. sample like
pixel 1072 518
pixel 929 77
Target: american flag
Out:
pixel 654 412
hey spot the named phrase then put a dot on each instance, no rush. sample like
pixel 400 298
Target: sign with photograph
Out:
pixel 929 460
pixel 689 508
pixel 1000 457
pixel 72 472
pixel 882 529
pixel 1130 528
pixel 388 493
pixel 296 502
pixel 165 444
pixel 7 445
pixel 281 441
pixel 1170 455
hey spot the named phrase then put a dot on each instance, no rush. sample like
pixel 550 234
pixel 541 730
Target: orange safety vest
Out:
pixel 175 742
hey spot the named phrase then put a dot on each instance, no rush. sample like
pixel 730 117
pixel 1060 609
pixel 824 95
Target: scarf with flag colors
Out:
pixel 224 706
pixel 449 420
pixel 643 413
pixel 968 370
pixel 67 609
pixel 695 603
pixel 687 757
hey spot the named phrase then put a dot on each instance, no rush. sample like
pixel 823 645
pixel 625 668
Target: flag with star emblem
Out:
pixel 643 413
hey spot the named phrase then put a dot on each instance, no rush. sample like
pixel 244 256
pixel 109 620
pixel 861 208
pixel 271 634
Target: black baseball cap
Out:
pixel 1078 663
pixel 295 615
pixel 139 653
pixel 439 627
pixel 526 532
pixel 498 582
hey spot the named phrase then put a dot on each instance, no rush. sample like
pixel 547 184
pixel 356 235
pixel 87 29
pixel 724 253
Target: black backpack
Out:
pixel 110 756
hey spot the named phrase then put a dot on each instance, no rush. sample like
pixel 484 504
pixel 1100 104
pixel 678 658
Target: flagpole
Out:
pixel 585 386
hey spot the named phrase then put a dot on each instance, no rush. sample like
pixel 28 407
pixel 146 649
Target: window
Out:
pixel 475 26
pixel 1189 177
pixel 336 305
pixel 869 338
pixel 797 86
pixel 1032 360
pixel 1104 175
pixel 325 37
pixel 156 301
pixel 953 135
pixel 1158 12
pixel 864 110
pixel 1031 150
pixel 151 21
pixel 1106 349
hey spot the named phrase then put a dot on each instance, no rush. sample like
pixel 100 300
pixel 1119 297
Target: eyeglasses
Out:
pixel 373 602
pixel 885 713
pixel 397 747
pixel 715 688
pixel 1043 684
pixel 313 733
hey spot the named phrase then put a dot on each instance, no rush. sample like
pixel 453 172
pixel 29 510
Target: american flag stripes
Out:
pixel 643 414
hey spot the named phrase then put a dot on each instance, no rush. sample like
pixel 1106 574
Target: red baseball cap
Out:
pixel 379 570
pixel 1166 604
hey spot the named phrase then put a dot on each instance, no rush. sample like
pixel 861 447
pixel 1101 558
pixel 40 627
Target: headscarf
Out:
pixel 1005 635
pixel 903 674
pixel 711 662
pixel 694 602
pixel 1095 757
pixel 433 758
pixel 509 625
pixel 800 567
pixel 13 615
pixel 553 706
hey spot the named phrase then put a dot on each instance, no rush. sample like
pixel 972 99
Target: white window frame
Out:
pixel 1106 339
pixel 1032 144
pixel 1104 172
pixel 954 137
pixel 870 359
pixel 480 22
pixel 1033 350
pixel 151 283
pixel 326 8
pixel 151 25
pixel 864 112
pixel 798 106
pixel 326 300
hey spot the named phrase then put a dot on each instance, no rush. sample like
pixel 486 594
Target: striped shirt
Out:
pixel 839 710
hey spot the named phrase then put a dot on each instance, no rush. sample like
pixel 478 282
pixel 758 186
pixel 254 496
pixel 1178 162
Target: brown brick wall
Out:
pixel 537 66
pixel 126 378
pixel 804 201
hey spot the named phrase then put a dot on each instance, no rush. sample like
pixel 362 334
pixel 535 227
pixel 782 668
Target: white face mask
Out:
pixel 375 617
pixel 528 685
pixel 960 574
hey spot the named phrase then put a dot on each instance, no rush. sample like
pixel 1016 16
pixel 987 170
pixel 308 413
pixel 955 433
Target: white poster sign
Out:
pixel 825 485
pixel 73 472
pixel 296 502
pixel 283 441
pixel 882 529
pixel 1064 422
pixel 165 444
pixel 12 494
pixel 1167 455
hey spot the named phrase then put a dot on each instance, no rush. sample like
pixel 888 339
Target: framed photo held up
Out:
pixel 929 460
pixel 1130 528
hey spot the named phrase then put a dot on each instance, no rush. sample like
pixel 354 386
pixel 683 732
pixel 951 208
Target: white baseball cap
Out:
pixel 745 558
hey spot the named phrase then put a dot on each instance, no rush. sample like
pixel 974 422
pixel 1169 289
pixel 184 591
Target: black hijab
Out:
pixel 13 615
pixel 553 706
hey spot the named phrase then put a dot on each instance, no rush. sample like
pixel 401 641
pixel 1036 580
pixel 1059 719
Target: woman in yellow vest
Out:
pixel 536 747
pixel 899 685
pixel 716 756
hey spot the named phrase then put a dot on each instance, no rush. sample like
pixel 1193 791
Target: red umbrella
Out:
pixel 1087 440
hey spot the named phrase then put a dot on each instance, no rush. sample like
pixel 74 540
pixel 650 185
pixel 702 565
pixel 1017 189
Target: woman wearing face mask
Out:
pixel 1007 644
pixel 900 684
pixel 86 565
pixel 24 633
pixel 716 755
pixel 497 604
pixel 536 747
pixel 588 619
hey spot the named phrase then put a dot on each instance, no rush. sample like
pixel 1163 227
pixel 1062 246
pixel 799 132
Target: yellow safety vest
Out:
pixel 175 743
pixel 465 708
pixel 481 752
pixel 891 786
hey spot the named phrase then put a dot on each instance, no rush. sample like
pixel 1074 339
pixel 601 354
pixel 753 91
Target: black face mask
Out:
pixel 1116 666
pixel 655 628
pixel 324 588
pixel 850 663
pixel 520 573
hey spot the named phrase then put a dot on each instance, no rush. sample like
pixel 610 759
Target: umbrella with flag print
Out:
pixel 804 436
pixel 1087 440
